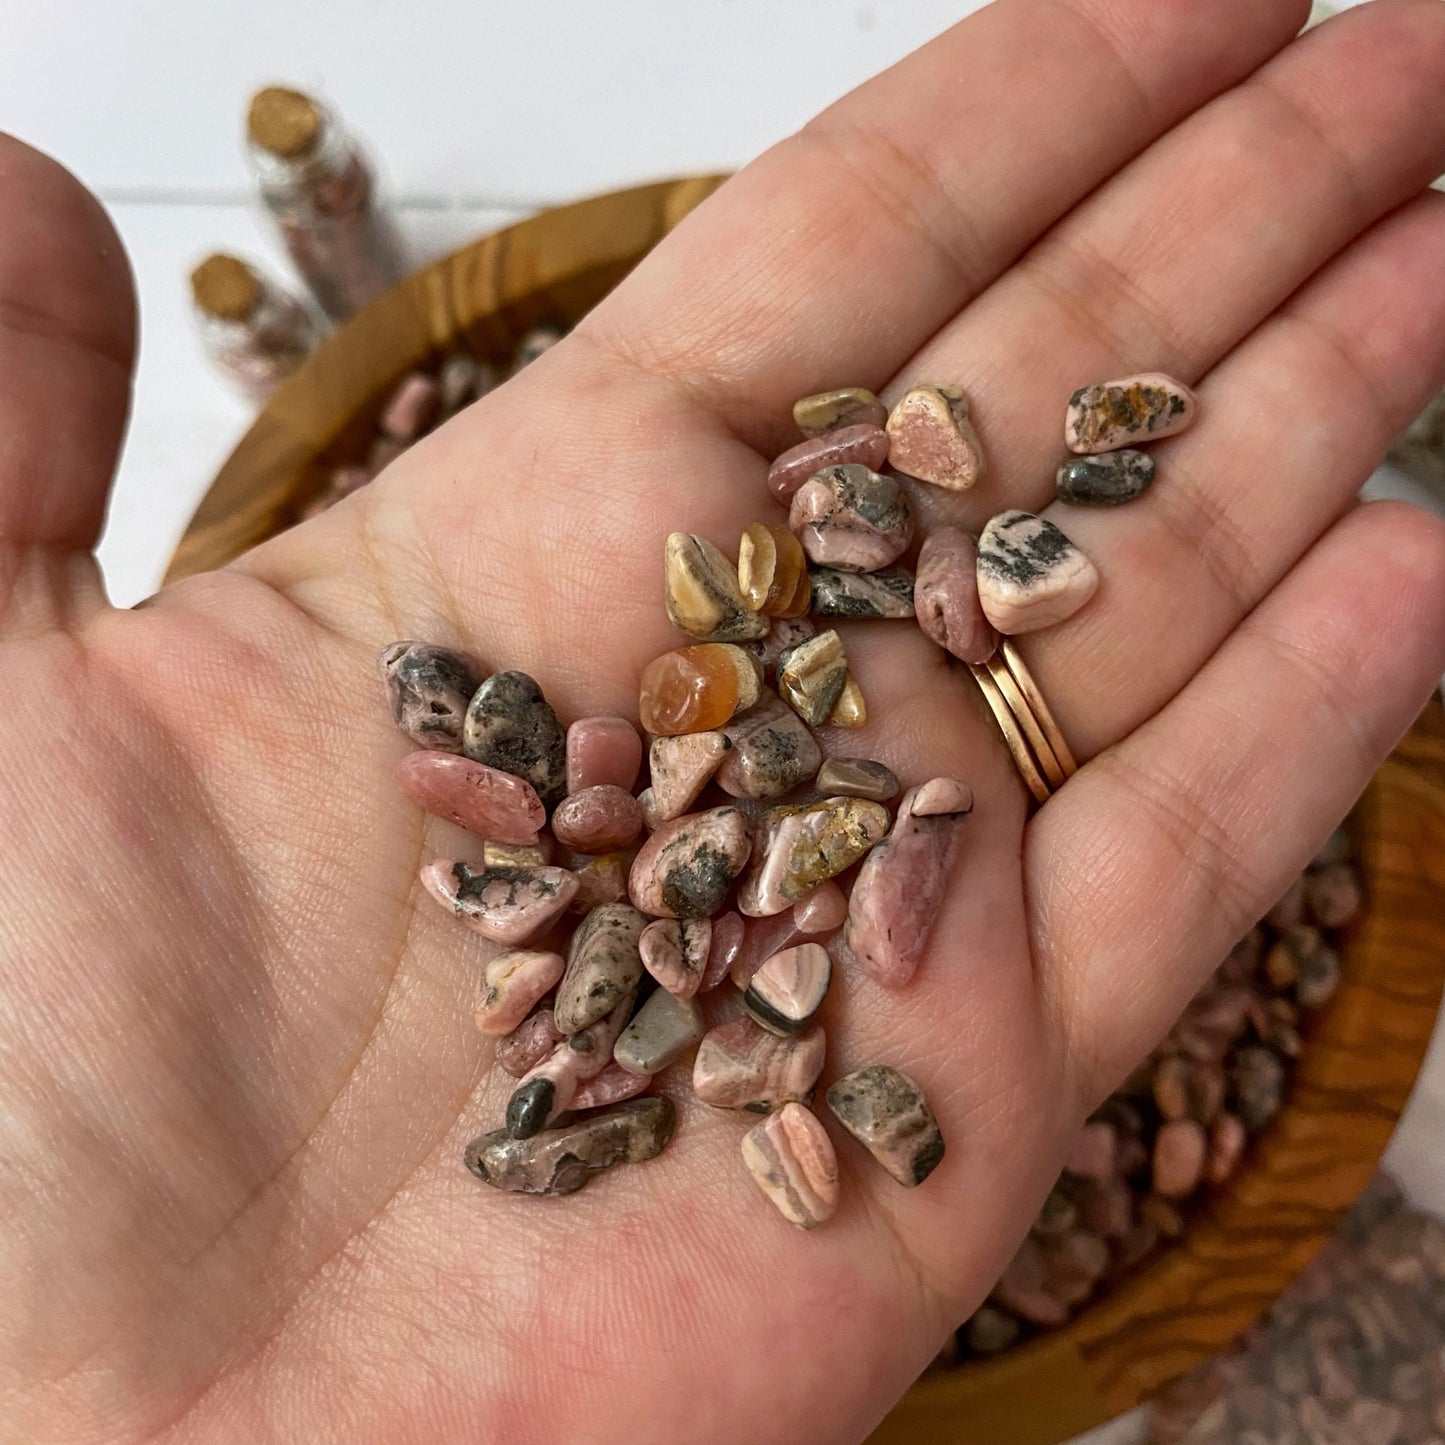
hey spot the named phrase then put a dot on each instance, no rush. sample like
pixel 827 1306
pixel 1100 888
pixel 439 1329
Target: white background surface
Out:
pixel 481 111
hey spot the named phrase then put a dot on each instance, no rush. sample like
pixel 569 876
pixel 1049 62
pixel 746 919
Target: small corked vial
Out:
pixel 255 332
pixel 320 190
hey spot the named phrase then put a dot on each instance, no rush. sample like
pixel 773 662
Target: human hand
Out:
pixel 236 1046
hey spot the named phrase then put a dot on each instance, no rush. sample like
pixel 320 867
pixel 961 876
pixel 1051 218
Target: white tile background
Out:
pixel 481 110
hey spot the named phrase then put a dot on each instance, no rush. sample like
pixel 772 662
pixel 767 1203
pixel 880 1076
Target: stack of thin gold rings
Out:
pixel 1033 737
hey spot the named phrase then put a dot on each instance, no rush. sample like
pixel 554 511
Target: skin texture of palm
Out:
pixel 236 1045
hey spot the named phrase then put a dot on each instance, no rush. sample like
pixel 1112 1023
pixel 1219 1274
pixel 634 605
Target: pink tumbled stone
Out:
pixel 514 982
pixel 686 868
pixel 823 910
pixel 864 443
pixel 675 952
pixel 930 437
pixel 411 407
pixel 507 905
pixel 852 518
pixel 1181 1149
pixel 1030 575
pixel 485 801
pixel 762 938
pixel 727 939
pixel 602 751
pixel 529 1043
pixel 601 819
pixel 785 993
pixel 611 1086
pixel 791 1159
pixel 1227 1140
pixel 741 1065
pixel 945 596
pixel 798 850
pixel 901 885
pixel 680 767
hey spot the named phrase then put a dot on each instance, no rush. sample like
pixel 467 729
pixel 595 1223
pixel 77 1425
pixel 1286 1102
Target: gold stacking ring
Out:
pixel 1034 740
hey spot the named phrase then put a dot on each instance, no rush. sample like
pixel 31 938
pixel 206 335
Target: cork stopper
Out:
pixel 284 122
pixel 226 288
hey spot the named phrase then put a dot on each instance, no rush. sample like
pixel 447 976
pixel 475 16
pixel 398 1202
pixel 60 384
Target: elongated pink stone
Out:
pixel 901 885
pixel 864 443
pixel 611 1086
pixel 727 939
pixel 515 980
pixel 945 596
pixel 675 952
pixel 791 1159
pixel 602 751
pixel 1126 412
pixel 529 1043
pixel 507 905
pixel 485 801
pixel 600 819
pixel 680 767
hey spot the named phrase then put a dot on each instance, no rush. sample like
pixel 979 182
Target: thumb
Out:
pixel 67 347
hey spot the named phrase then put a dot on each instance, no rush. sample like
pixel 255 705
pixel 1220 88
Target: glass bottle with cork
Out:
pixel 321 192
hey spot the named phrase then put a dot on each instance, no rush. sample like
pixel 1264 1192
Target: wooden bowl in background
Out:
pixel 1362 1052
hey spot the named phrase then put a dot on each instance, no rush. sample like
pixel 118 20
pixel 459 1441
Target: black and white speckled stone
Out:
pixel 885 1111
pixel 511 726
pixel 604 966
pixel 1108 479
pixel 429 688
pixel 1030 575
pixel 563 1159
pixel 862 594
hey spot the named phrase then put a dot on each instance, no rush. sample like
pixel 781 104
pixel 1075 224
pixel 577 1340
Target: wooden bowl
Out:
pixel 1255 1234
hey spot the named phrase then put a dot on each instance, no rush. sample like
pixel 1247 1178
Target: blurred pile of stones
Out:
pixel 1352 1354
pixel 1183 1122
pixel 419 403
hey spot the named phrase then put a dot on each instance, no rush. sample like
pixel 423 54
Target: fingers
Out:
pixel 1172 263
pixel 833 257
pixel 1290 426
pixel 1164 850
pixel 67 342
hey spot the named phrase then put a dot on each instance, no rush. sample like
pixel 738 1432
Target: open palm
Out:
pixel 236 1050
